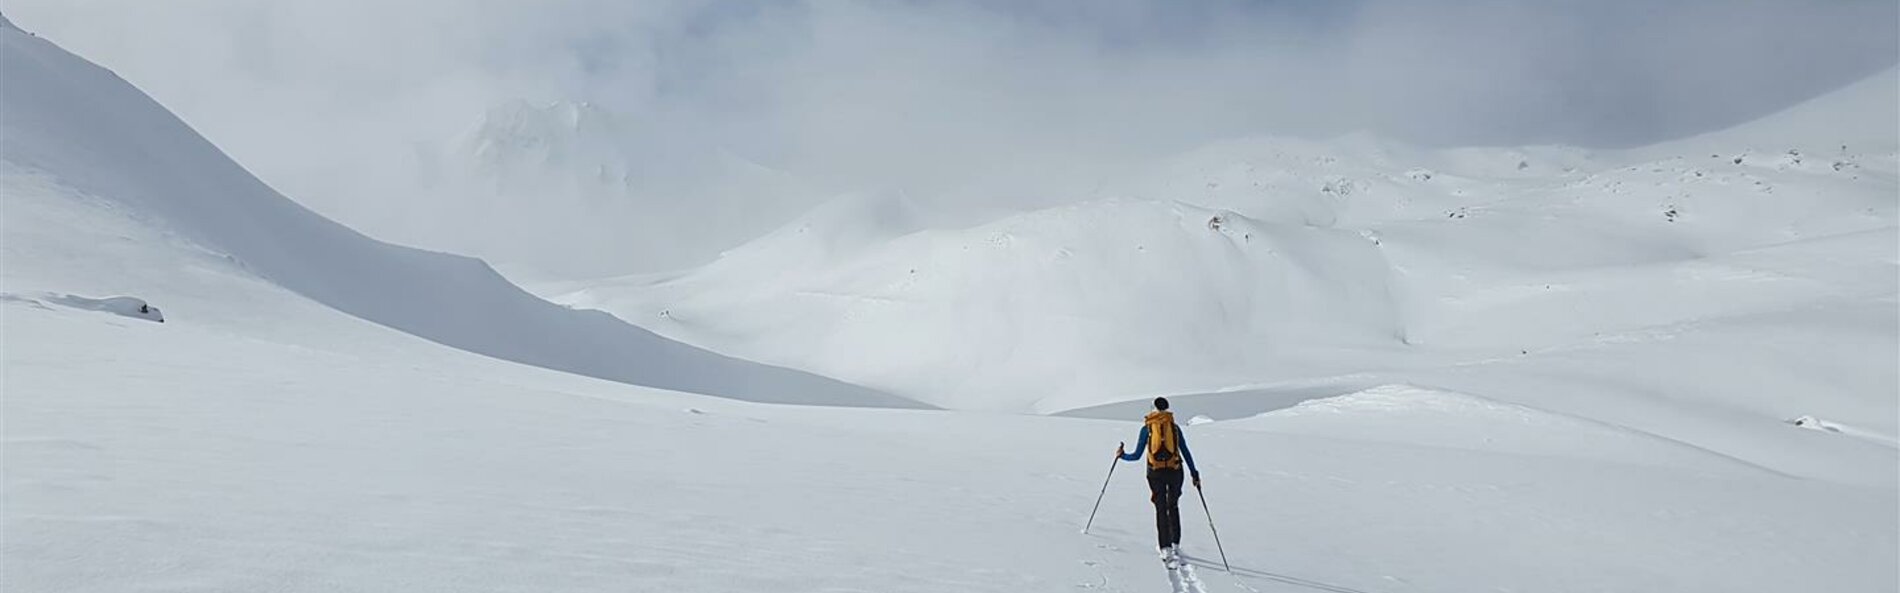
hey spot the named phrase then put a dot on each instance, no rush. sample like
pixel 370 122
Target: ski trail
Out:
pixel 1239 572
pixel 1096 565
pixel 1188 578
pixel 1177 582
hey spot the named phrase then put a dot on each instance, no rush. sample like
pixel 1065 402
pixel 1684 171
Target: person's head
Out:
pixel 1161 403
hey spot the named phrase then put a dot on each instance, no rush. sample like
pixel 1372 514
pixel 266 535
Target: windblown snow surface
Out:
pixel 1476 370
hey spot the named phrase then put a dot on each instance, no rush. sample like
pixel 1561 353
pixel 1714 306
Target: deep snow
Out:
pixel 287 430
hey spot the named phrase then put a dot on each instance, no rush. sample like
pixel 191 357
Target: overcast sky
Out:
pixel 320 97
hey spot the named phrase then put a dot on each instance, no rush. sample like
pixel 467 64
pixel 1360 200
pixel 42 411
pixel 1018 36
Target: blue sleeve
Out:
pixel 1141 444
pixel 1181 440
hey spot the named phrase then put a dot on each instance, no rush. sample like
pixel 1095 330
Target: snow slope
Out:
pixel 1437 418
pixel 1857 119
pixel 1705 299
pixel 194 457
pixel 261 439
pixel 959 310
pixel 75 128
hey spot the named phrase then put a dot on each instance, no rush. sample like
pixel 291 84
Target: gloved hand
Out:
pixel 1197 481
pixel 1121 449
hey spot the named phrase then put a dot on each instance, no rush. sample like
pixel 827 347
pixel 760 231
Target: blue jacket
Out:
pixel 1180 440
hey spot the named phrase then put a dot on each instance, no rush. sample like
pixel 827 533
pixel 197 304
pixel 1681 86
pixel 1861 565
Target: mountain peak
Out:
pixel 528 144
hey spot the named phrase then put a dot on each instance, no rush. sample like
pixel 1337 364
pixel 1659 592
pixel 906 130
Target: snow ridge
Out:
pixel 78 124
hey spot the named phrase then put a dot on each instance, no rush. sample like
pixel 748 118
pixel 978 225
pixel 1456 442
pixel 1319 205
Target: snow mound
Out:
pixel 92 134
pixel 1817 424
pixel 126 306
pixel 1006 315
pixel 1812 423
pixel 1429 417
pixel 841 227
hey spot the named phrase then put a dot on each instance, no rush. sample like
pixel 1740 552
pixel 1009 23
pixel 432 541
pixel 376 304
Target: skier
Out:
pixel 1165 449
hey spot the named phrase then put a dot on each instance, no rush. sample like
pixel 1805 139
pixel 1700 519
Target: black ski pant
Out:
pixel 1164 486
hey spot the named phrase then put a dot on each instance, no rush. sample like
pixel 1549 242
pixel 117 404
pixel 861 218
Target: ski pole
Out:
pixel 1098 497
pixel 1210 527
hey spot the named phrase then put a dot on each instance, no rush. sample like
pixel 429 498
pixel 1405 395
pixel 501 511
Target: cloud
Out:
pixel 997 100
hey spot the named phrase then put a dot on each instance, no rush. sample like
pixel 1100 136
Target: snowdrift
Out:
pixel 123 306
pixel 95 135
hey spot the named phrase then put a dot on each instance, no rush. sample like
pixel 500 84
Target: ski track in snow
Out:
pixel 1185 580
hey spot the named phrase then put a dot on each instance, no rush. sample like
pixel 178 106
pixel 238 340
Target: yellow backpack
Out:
pixel 1164 452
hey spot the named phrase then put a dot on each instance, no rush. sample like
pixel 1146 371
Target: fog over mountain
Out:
pixel 348 106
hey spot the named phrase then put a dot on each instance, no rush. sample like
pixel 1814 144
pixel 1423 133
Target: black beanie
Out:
pixel 1161 403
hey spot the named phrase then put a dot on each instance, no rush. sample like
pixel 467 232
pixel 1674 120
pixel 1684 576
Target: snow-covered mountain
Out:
pixel 76 133
pixel 1039 309
pixel 284 429
pixel 1613 286
pixel 1859 119
pixel 557 147
pixel 533 183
